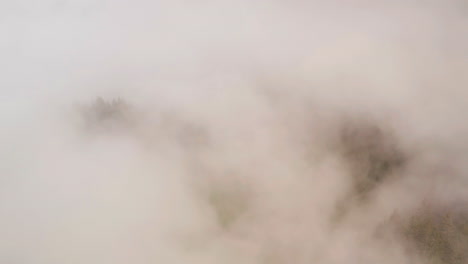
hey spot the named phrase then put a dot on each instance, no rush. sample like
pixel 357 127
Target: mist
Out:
pixel 262 132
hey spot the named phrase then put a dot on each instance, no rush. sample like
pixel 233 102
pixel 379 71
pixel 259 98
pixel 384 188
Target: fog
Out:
pixel 263 132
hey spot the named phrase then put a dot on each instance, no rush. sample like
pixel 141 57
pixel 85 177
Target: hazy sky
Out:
pixel 268 81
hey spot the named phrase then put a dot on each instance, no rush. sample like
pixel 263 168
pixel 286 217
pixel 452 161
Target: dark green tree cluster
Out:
pixel 372 152
pixel 373 157
pixel 439 234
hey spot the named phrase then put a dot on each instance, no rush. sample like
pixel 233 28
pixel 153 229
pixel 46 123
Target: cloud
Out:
pixel 235 152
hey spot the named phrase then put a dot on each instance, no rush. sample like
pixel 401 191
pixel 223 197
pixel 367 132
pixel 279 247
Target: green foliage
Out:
pixel 372 154
pixel 439 235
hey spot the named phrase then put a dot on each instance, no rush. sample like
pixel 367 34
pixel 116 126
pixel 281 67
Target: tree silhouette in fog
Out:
pixel 102 114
